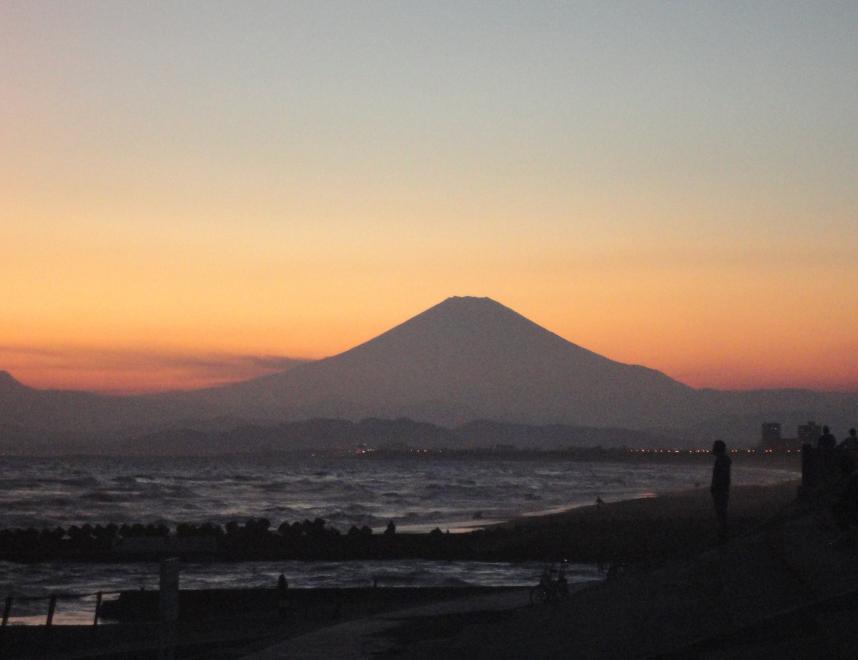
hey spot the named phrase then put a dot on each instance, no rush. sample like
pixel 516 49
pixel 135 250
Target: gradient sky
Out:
pixel 193 184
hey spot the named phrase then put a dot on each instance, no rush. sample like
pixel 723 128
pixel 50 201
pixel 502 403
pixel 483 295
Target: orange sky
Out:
pixel 188 191
pixel 744 333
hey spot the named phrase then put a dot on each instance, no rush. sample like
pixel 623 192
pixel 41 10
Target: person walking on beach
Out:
pixel 720 487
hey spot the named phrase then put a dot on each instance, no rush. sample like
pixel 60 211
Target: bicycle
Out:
pixel 552 586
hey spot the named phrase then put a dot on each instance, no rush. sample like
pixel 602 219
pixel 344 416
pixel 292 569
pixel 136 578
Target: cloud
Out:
pixel 277 362
pixel 131 370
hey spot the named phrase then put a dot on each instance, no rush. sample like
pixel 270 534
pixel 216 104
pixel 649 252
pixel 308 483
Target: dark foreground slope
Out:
pixel 788 589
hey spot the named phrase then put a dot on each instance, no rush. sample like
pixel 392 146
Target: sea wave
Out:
pixel 48 492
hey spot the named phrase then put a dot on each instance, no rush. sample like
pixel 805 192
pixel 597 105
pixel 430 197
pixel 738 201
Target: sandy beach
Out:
pixel 685 597
pixel 646 530
pixel 785 585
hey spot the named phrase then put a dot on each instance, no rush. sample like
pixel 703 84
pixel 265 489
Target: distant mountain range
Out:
pixel 462 360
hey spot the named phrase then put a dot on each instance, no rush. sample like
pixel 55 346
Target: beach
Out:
pixel 645 530
pixel 783 586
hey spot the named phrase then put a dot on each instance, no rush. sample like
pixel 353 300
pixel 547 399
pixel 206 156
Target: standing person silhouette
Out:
pixel 851 440
pixel 826 444
pixel 720 487
pixel 282 602
pixel 826 440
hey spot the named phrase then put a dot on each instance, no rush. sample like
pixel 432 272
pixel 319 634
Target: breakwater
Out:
pixel 257 540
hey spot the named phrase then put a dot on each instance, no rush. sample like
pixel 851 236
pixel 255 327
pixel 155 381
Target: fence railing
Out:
pixel 10 601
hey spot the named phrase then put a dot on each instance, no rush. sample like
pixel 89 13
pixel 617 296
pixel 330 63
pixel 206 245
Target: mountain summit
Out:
pixel 468 358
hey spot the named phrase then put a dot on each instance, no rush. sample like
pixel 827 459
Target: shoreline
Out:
pixel 102 493
pixel 650 531
pixel 476 539
pixel 629 530
pixel 461 527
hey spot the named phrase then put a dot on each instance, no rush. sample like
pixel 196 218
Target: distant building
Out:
pixel 771 434
pixel 809 433
pixel 771 438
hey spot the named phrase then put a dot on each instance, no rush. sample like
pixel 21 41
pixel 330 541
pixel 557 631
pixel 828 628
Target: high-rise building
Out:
pixel 770 437
pixel 809 433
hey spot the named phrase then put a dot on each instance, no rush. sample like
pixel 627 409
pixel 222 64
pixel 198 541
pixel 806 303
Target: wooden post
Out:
pixel 52 606
pixel 168 607
pixel 97 608
pixel 809 468
pixel 282 602
pixel 7 610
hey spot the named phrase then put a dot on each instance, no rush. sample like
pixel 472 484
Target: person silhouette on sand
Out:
pixel 826 440
pixel 845 507
pixel 282 602
pixel 720 487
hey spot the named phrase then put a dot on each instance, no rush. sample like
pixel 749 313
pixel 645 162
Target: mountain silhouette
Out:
pixel 34 411
pixel 462 360
pixel 8 384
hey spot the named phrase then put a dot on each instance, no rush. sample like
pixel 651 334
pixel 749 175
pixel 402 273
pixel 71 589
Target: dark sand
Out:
pixel 227 623
pixel 683 596
pixel 784 586
pixel 642 531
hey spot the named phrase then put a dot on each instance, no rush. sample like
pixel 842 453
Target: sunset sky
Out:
pixel 191 192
